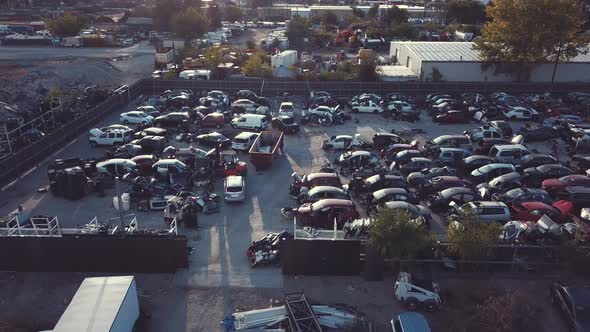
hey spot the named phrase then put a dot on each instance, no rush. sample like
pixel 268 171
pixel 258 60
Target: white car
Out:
pixel 244 141
pixel 322 110
pixel 116 167
pixel 368 107
pixel 166 166
pixel 220 95
pixel 520 113
pixel 345 142
pixel 109 137
pixel 136 117
pixel 287 109
pixel 400 106
pixel 149 110
pixel 234 188
pixel 480 133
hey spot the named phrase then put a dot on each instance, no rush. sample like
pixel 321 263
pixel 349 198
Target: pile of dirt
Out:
pixel 27 86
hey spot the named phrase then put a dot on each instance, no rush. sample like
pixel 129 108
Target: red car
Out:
pixel 553 186
pixel 321 214
pixel 453 117
pixel 532 211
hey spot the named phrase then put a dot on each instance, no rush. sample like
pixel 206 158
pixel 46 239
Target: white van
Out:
pixel 250 121
pixel 508 153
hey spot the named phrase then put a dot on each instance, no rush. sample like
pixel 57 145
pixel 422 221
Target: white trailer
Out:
pixel 164 56
pixel 102 304
pixel 285 59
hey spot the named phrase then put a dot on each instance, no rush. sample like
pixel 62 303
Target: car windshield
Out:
pixel 514 193
pixel 240 140
pixel 567 179
pixel 233 189
pixel 439 140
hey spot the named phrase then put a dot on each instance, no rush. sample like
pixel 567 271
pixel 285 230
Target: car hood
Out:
pixel 476 173
pixel 424 211
pixel 552 183
pixel 531 170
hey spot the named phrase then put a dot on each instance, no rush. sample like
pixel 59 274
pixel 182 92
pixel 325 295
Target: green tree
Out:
pixel 466 11
pixel 321 38
pixel 357 12
pixel 256 66
pixel 436 75
pixel 521 34
pixel 214 57
pixel 214 15
pixel 471 238
pixel 233 13
pixel 250 44
pixel 67 25
pixel 394 15
pixel 330 18
pixel 190 24
pixel 164 12
pixel 404 31
pixel 394 235
pixel 297 31
pixel 373 11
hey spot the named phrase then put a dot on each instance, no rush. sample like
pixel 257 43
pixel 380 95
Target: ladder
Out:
pixel 301 316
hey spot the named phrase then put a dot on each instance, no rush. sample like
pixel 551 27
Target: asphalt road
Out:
pixel 24 53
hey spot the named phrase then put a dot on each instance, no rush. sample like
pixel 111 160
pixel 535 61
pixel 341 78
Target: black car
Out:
pixel 377 182
pixel 472 163
pixel 381 140
pixel 574 303
pixel 172 120
pixel 540 134
pixel 535 159
pixel 459 195
pixel 286 124
pixel 247 94
pixel 522 195
pixel 503 127
pixel 213 139
pixel 124 151
pixel 404 156
pixel 415 164
pixel 151 131
pixel 417 179
pixel 151 144
pixel 535 175
pixel 382 196
pixel 580 163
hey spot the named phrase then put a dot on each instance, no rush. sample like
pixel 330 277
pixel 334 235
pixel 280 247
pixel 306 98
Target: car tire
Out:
pixel 93 144
pixel 355 110
pixel 513 118
pixel 218 126
pixel 411 303
pixel 126 121
pixel 328 147
pixel 430 306
pixel 144 123
pixel 234 126
pixel 375 111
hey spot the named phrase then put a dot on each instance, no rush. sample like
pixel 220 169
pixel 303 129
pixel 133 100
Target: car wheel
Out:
pixel 234 126
pixel 93 144
pixel 218 126
pixel 411 303
pixel 144 123
pixel 328 147
pixel 430 306
pixel 126 121
pixel 375 111
pixel 355 110
pixel 513 118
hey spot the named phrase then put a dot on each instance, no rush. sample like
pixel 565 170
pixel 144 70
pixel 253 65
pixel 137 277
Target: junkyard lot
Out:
pixel 214 283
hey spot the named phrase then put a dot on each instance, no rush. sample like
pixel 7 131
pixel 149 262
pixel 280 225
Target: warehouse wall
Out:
pixel 403 54
pixel 472 72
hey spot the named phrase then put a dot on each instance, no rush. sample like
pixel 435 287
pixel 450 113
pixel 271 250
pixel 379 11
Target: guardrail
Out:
pixel 349 88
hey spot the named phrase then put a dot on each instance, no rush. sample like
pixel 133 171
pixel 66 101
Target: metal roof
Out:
pixel 456 51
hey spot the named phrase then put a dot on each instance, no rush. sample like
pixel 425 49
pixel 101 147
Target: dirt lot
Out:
pixel 219 279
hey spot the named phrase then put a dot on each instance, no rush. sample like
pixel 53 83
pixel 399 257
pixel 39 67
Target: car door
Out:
pixel 110 139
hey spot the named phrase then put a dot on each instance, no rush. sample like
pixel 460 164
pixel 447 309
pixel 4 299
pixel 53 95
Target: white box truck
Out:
pixel 102 304
pixel 71 41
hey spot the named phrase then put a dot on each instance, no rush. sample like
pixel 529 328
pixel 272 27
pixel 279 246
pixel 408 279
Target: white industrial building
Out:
pixel 459 62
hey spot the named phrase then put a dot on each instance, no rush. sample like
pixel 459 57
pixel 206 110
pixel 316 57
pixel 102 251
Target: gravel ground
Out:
pixel 219 279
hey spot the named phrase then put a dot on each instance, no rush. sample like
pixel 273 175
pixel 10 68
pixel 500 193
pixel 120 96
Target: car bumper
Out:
pixel 238 146
pixel 234 197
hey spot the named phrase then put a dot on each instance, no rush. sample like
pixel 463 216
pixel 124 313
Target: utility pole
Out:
pixel 121 218
pixel 556 63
